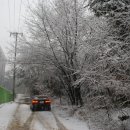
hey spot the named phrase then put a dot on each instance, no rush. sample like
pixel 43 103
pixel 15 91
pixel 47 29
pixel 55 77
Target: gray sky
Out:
pixel 9 20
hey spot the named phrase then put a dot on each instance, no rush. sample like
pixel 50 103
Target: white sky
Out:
pixel 8 21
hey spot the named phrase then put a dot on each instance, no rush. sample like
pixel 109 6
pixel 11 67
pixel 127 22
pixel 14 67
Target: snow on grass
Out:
pixel 3 104
pixel 115 114
pixel 7 112
pixel 71 123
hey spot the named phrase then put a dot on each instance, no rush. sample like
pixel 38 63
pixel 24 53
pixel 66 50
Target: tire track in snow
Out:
pixel 16 123
pixel 44 122
pixel 28 122
pixel 48 124
pixel 59 124
pixel 48 120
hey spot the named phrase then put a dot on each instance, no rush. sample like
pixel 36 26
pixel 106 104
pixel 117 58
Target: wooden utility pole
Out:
pixel 15 34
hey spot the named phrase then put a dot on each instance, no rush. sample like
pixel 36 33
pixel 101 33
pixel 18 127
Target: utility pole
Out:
pixel 15 34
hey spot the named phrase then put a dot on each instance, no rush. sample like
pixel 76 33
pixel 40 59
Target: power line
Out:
pixel 14 13
pixel 9 14
pixel 29 5
pixel 20 14
pixel 27 63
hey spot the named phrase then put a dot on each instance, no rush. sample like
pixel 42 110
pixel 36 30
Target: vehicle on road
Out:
pixel 40 102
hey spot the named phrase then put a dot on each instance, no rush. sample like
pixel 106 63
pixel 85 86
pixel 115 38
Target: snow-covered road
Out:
pixel 19 117
pixel 6 114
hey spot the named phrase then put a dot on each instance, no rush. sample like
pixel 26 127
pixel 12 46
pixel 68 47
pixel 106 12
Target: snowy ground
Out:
pixel 71 123
pixel 7 112
pixel 14 116
pixel 19 117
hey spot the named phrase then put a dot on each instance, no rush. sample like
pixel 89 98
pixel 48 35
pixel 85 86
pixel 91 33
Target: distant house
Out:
pixel 2 65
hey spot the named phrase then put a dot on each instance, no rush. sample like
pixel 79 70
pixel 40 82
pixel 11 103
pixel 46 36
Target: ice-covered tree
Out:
pixel 115 58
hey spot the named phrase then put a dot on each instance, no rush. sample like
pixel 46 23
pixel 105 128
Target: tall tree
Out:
pixel 58 31
pixel 117 44
pixel 117 13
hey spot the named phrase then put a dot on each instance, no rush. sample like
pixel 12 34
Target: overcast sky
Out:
pixel 9 19
pixel 10 16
